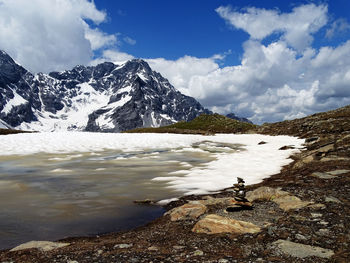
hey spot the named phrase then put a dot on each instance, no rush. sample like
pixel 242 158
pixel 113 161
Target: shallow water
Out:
pixel 51 196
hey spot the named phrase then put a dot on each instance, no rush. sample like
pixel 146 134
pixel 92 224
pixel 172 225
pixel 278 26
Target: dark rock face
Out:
pixel 106 97
pixel 234 117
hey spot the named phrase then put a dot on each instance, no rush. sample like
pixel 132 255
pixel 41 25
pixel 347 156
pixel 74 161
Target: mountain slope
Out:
pixel 106 97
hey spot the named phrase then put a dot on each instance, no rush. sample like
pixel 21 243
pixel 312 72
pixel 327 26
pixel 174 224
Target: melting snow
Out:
pixel 253 164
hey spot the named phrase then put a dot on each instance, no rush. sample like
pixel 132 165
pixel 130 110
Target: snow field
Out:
pixel 253 164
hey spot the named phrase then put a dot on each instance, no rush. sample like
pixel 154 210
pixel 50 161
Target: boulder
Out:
pixel 189 211
pixel 265 194
pixel 285 200
pixel 214 224
pixel 41 245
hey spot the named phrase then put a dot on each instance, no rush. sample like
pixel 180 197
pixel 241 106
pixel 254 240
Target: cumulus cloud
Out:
pixel 296 27
pixel 180 72
pixel 283 79
pixel 51 35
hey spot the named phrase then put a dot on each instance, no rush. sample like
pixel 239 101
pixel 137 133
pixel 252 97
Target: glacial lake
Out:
pixel 52 195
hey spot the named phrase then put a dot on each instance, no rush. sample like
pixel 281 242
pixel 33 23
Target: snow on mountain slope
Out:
pixel 106 97
pixel 4 125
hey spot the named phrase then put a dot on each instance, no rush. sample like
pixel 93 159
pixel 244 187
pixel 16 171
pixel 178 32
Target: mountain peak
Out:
pixel 10 71
pixel 106 97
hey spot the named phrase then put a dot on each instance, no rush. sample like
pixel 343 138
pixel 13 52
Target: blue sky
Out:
pixel 265 60
pixel 172 29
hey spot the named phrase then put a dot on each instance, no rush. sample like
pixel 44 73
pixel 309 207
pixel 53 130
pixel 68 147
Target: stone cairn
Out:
pixel 240 190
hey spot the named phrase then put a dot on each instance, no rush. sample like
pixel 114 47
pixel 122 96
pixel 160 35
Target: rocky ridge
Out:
pixel 106 97
pixel 301 214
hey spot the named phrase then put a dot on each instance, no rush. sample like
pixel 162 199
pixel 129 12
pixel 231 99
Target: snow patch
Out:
pixel 15 101
pixel 253 164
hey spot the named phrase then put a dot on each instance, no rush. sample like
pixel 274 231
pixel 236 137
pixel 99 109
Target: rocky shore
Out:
pixel 301 214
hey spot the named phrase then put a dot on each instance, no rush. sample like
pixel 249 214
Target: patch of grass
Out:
pixel 204 124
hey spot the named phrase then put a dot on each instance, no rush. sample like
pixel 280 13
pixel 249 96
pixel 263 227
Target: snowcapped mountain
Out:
pixel 106 97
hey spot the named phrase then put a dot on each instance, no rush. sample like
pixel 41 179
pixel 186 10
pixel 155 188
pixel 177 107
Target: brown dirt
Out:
pixel 325 224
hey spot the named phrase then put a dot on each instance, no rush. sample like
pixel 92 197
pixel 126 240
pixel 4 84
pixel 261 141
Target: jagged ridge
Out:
pixel 106 97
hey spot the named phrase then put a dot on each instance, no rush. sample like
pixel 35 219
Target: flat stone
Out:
pixel 332 199
pixel 326 148
pixel 323 175
pixel 123 245
pixel 179 247
pixel 338 172
pixel 187 211
pixel 302 251
pixel 289 202
pixel 214 224
pixel 41 245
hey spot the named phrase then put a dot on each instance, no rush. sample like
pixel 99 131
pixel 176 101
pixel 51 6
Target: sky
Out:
pixel 265 60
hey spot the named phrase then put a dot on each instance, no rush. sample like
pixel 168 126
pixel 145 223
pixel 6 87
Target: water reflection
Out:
pixel 51 196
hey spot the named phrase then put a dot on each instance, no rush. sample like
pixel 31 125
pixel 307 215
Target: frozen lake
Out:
pixel 55 185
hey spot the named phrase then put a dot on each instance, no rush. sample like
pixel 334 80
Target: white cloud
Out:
pixel 99 39
pixel 274 81
pixel 181 71
pixel 51 35
pixel 296 27
pixel 112 55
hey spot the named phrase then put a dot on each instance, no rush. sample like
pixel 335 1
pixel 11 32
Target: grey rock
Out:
pixel 300 237
pixel 123 245
pixel 338 172
pixel 332 199
pixel 323 175
pixel 323 232
pixel 302 251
